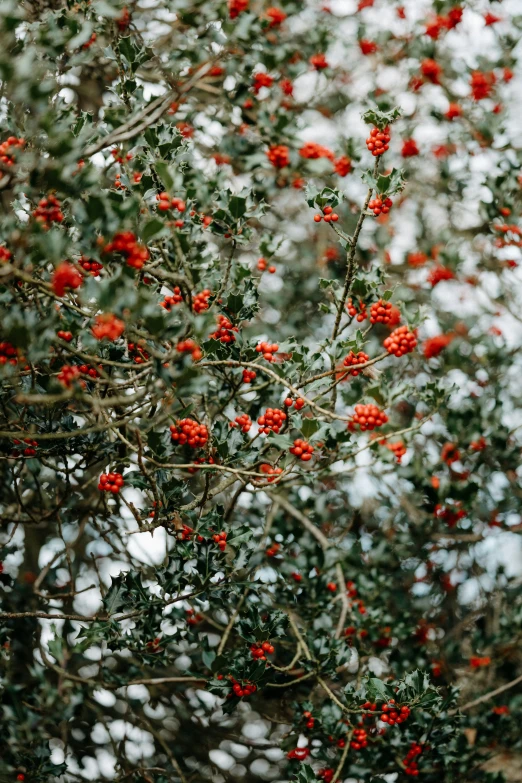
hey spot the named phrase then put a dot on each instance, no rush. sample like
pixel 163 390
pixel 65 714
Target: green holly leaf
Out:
pixel 381 119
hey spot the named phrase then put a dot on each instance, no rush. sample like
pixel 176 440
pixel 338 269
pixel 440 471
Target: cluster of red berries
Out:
pixel 438 274
pixel 138 354
pixel 279 156
pixel 7 148
pixel 248 376
pixel 439 23
pixel 431 70
pixel 134 252
pixel 243 421
pixel 401 341
pixel 272 419
pixel 352 630
pixel 379 206
pixel 354 359
pixel 454 110
pixel 49 210
pixel 262 79
pixel 111 482
pixel 359 739
pixel 378 141
pixel 225 331
pixel 299 403
pixel 89 43
pixel 450 453
pixel 433 346
pixel 245 689
pixel 28 451
pixel 300 754
pixel 124 19
pixel 171 301
pixel 276 16
pixel 329 216
pixel 398 448
pixel 220 158
pixel 478 445
pixel 417 259
pixel 67 336
pixel 361 608
pixel 273 549
pixel 117 154
pixel 482 84
pixel 318 61
pixel 153 645
pixel 410 763
pixel 8 354
pixel 326 774
pixel 188 431
pixel 409 148
pixel 309 719
pixel 381 312
pixel 343 166
pixel 302 449
pixel 107 326
pixel 391 714
pixel 201 461
pixel 449 515
pixel 90 266
pixel 262 266
pixel 65 276
pixel 118 184
pixel 221 540
pixel 165 202
pixel 92 372
pixel 189 346
pixel 313 151
pixel 192 617
pixel 268 350
pixel 360 314
pixel 186 130
pixel 68 374
pixel 367 47
pixel 5 254
pixel 351 590
pixel 200 301
pixel 186 533
pixel 331 587
pixel 259 651
pixel 270 471
pixel 477 662
pixel 368 417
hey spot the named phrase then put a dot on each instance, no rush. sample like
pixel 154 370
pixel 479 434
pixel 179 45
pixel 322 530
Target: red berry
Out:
pixel 353 359
pixel 272 419
pixel 367 417
pixel 401 341
pixel 360 313
pixel 381 312
pixel 189 432
pixel 243 421
pixel 378 141
pixel 225 332
pixel 111 482
pixel 302 450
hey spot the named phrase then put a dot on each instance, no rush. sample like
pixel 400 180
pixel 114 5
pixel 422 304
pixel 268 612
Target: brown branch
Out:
pixel 147 116
pixel 487 696
pixel 350 269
